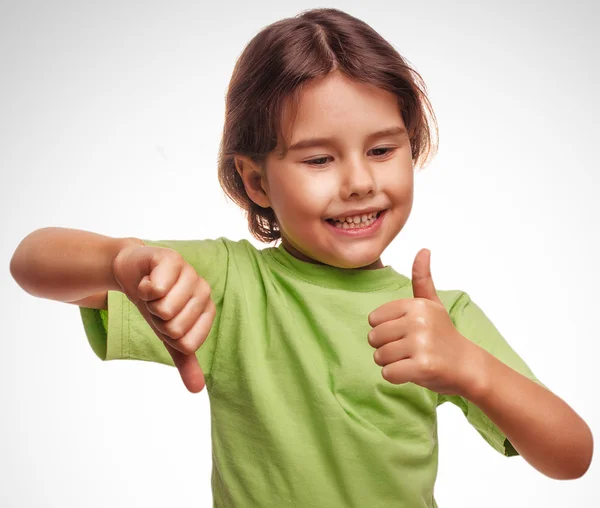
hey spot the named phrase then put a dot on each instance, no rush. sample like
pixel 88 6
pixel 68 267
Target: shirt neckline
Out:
pixel 335 277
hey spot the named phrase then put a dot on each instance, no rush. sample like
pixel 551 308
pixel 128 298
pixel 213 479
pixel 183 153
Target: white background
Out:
pixel 111 115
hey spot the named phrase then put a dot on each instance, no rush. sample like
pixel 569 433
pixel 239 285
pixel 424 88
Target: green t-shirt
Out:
pixel 300 414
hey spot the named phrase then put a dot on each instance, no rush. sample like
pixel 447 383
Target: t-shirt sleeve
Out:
pixel 121 332
pixel 471 322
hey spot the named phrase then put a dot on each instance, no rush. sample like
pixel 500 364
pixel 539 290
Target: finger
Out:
pixel 162 277
pixel 170 305
pixel 388 311
pixel 422 281
pixel 187 365
pixel 195 336
pixel 178 326
pixel 402 371
pixel 189 369
pixel 141 306
pixel 387 332
pixel 392 352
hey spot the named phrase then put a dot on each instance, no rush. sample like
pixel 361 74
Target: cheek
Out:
pixel 400 185
pixel 301 195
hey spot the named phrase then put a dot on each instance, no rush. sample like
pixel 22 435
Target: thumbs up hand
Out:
pixel 417 342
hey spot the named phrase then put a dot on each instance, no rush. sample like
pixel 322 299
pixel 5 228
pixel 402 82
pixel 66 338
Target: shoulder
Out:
pixel 466 315
pixel 471 321
pixel 454 300
pixel 211 247
pixel 220 252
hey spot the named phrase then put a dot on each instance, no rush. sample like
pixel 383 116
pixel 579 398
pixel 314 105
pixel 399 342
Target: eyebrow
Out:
pixel 307 143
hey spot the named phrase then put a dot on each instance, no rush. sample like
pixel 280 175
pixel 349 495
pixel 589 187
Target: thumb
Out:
pixel 189 369
pixel 187 365
pixel 422 282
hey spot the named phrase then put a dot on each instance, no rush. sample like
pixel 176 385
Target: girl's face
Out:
pixel 346 173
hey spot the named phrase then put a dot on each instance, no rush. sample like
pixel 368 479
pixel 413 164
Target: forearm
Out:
pixel 545 431
pixel 66 264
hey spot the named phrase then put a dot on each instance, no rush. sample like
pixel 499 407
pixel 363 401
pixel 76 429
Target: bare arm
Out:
pixel 541 426
pixel 68 265
pixel 96 301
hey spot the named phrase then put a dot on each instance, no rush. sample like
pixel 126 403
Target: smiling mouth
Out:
pixel 354 225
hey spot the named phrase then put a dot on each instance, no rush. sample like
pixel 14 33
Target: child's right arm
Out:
pixel 67 265
pixel 78 266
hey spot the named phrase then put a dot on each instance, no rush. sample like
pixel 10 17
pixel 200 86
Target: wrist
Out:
pixel 122 245
pixel 477 379
pixel 133 241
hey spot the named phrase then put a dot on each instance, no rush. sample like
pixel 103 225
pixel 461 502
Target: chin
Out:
pixel 352 262
pixel 349 257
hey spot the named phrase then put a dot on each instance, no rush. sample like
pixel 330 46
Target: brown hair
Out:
pixel 272 70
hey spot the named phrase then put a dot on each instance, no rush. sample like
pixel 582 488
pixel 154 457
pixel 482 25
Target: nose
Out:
pixel 358 180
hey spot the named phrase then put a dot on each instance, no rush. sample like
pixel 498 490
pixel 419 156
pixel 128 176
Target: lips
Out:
pixel 356 231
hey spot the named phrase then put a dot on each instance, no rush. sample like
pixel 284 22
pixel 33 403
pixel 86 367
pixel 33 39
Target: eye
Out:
pixel 313 162
pixel 389 148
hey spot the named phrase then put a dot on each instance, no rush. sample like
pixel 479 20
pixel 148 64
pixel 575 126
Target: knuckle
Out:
pixel 170 254
pixel 425 364
pixel 210 311
pixel 186 349
pixel 211 307
pixel 422 341
pixel 175 330
pixel 159 289
pixel 187 346
pixel 420 320
pixel 203 288
pixel 188 270
pixel 196 305
pixel 165 312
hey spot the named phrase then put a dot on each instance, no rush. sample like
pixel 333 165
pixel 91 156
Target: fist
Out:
pixel 416 341
pixel 173 299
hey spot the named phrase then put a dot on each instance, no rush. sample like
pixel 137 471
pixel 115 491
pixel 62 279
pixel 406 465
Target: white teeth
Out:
pixel 352 225
pixel 358 219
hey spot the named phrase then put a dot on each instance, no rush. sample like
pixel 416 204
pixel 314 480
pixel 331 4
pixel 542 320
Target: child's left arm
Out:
pixel 541 426
pixel 417 341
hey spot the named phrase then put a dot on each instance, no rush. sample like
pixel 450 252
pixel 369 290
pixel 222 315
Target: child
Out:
pixel 292 340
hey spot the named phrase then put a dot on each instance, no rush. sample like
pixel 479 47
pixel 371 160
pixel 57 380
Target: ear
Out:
pixel 254 180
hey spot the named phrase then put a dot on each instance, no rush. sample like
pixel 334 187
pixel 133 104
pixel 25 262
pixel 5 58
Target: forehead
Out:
pixel 337 106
